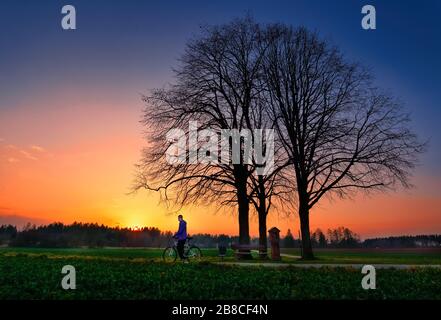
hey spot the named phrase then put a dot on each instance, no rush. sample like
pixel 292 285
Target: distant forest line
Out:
pixel 59 235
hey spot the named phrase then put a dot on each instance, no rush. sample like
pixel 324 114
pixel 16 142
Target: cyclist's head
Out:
pixel 180 217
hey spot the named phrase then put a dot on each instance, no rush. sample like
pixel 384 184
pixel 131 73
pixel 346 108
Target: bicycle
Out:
pixel 191 252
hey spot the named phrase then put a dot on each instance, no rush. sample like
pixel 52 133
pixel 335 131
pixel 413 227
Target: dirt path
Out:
pixel 289 256
pixel 330 265
pixel 283 255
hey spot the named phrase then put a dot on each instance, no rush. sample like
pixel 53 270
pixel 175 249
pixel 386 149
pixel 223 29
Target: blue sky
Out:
pixel 136 43
pixel 72 100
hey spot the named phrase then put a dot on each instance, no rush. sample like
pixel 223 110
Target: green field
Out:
pixel 140 274
pixel 373 256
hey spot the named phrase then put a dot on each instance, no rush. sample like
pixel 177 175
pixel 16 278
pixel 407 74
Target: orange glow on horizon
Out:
pixel 79 168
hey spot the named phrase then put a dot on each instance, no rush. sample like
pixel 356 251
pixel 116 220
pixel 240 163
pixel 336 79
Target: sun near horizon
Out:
pixel 70 105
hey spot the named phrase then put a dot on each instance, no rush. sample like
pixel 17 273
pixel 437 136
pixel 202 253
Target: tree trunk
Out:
pixel 244 227
pixel 262 213
pixel 304 228
pixel 263 251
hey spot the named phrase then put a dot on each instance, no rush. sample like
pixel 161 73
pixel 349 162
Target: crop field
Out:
pixel 374 256
pixel 110 273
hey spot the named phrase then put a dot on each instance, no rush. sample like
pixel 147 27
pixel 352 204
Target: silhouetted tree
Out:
pixel 7 233
pixel 78 234
pixel 219 86
pixel 342 237
pixel 341 133
pixel 288 241
pixel 337 132
pixel 318 238
pixel 432 241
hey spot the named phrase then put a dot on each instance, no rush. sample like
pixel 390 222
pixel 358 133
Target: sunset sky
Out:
pixel 70 106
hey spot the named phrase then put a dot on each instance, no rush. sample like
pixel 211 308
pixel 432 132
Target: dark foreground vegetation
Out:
pixel 38 275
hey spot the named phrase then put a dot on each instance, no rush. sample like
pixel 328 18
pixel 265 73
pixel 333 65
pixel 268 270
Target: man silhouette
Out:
pixel 181 236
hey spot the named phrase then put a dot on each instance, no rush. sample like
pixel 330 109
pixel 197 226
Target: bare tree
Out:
pixel 272 191
pixel 219 85
pixel 337 133
pixel 340 132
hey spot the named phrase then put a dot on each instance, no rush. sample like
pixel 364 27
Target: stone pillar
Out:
pixel 274 237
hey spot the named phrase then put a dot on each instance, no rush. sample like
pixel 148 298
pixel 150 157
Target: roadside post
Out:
pixel 274 236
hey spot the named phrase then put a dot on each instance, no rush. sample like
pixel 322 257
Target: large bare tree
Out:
pixel 340 132
pixel 219 85
pixel 336 132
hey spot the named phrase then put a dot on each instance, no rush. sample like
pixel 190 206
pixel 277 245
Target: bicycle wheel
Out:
pixel 194 253
pixel 170 254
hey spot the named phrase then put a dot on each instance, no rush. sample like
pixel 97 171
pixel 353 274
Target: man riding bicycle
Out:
pixel 181 236
pixel 181 246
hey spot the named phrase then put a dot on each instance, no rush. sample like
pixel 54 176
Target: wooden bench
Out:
pixel 241 250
